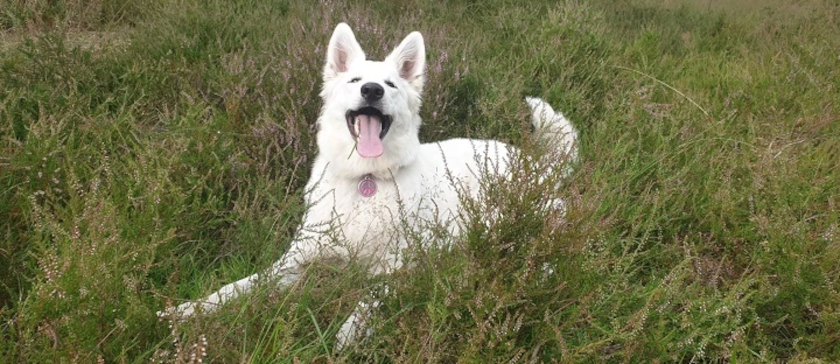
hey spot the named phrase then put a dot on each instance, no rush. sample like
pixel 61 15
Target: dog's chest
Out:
pixel 355 220
pixel 368 218
pixel 374 225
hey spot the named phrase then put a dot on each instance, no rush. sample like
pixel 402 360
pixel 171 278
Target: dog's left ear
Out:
pixel 410 59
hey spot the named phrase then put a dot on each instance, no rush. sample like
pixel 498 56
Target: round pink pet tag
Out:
pixel 367 186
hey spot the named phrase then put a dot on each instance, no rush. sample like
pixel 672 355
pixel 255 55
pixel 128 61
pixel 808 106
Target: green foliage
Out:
pixel 152 151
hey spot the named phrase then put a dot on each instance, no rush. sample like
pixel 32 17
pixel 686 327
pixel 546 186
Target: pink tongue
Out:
pixel 369 145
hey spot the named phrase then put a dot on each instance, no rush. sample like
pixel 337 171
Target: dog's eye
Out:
pixel 390 84
pixel 355 79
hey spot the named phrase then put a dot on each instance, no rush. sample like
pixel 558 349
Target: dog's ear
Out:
pixel 342 51
pixel 410 58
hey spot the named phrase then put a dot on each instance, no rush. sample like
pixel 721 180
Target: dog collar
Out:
pixel 367 186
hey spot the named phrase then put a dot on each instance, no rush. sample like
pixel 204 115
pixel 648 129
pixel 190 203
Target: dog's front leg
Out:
pixel 283 273
pixel 356 326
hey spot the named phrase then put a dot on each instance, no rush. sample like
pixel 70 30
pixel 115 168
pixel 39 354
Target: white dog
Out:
pixel 372 175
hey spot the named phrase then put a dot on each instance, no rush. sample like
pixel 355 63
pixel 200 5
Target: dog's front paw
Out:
pixel 350 331
pixel 356 327
pixel 179 312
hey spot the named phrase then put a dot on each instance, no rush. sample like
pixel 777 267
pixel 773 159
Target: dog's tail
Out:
pixel 554 128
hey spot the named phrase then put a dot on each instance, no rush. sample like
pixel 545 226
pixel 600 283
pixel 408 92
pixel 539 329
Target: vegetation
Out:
pixel 151 151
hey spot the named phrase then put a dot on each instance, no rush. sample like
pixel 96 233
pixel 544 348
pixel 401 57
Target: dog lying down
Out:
pixel 372 174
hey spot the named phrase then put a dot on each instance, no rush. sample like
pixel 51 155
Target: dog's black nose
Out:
pixel 372 91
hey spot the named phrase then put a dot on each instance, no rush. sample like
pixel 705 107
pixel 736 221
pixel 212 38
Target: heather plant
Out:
pixel 152 151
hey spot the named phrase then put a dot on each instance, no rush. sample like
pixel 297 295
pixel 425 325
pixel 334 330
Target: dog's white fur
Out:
pixel 417 183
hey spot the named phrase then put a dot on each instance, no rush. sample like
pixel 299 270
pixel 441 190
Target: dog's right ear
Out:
pixel 342 52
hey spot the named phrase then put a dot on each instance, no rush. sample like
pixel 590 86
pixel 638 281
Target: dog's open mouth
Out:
pixel 368 126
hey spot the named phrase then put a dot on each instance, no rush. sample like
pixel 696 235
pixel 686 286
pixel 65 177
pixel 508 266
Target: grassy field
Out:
pixel 151 151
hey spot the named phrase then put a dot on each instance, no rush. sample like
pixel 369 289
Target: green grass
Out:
pixel 152 151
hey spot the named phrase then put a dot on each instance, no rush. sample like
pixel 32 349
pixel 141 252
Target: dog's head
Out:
pixel 371 109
